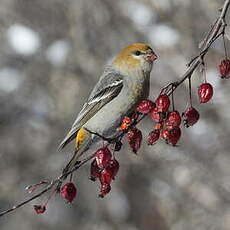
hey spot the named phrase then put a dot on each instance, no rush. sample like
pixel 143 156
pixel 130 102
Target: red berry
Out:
pixel 68 191
pixel 205 92
pixel 39 209
pixel 153 136
pixel 162 103
pixel 173 119
pixel 174 136
pixel 103 157
pixel 158 125
pixel 114 167
pixel 165 134
pixel 109 172
pixel 145 106
pixel 126 122
pixel 106 176
pixel 224 68
pixel 95 171
pixel 191 116
pixel 156 116
pixel 171 136
pixel 134 139
pixel 105 189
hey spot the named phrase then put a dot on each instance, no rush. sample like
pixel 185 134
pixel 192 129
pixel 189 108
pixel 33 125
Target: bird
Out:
pixel 124 83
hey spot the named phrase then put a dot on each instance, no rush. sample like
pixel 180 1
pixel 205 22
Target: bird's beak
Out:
pixel 151 57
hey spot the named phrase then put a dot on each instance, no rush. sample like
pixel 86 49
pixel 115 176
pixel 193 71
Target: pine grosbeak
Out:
pixel 123 84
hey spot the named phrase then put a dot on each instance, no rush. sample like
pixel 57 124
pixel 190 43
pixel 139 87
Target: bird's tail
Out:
pixel 83 141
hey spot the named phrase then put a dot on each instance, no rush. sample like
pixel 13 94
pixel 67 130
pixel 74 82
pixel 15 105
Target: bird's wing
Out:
pixel 108 87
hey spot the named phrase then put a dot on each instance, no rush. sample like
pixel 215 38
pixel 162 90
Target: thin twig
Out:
pixel 190 91
pixel 49 187
pixel 225 49
pixel 30 199
pixel 216 31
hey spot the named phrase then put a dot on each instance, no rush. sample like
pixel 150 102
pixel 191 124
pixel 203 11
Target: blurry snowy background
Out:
pixel 51 54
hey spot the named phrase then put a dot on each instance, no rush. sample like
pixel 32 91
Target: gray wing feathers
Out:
pixel 108 87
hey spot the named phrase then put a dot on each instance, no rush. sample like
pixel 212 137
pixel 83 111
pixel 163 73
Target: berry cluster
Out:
pixel 105 168
pixel 167 123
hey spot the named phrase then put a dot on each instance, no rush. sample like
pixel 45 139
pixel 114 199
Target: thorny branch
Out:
pixel 217 29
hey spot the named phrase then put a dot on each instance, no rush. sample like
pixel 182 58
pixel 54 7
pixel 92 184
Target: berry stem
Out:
pixel 49 197
pixel 225 49
pixel 71 177
pixel 204 71
pixel 172 95
pixel 190 91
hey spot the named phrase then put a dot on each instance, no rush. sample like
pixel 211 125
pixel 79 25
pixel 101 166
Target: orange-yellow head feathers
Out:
pixel 134 57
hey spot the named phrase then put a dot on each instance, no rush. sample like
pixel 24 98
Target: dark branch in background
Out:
pixel 217 29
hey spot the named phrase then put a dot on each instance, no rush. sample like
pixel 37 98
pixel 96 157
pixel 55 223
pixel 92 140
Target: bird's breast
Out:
pixel 108 119
pixel 138 87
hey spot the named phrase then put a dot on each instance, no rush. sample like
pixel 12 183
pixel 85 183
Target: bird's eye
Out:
pixel 138 53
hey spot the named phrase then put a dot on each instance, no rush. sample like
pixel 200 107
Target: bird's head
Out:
pixel 135 57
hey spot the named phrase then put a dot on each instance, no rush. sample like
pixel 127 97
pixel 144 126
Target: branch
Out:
pixel 214 33
pixel 49 186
